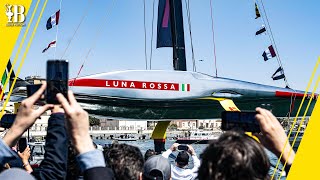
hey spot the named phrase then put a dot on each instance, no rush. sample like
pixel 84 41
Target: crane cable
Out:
pixel 145 33
pixel 95 39
pixel 272 40
pixel 190 33
pixel 271 37
pixel 77 28
pixel 213 39
pixel 151 43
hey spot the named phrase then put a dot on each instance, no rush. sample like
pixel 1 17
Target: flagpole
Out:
pixel 55 49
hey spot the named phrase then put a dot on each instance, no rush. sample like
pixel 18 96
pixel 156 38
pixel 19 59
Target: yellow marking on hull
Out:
pixel 159 131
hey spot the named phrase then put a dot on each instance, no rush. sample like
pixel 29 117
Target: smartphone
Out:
pixel 7 120
pixel 183 147
pixel 32 88
pixel 57 79
pixel 236 120
pixel 22 144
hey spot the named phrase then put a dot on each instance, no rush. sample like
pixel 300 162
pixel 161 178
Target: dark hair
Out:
pixel 182 159
pixel 234 156
pixel 149 153
pixel 125 160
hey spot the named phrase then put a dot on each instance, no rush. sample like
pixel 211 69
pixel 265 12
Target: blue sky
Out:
pixel 120 46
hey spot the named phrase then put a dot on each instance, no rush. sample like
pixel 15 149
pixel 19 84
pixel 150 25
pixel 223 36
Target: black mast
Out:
pixel 179 54
pixel 176 18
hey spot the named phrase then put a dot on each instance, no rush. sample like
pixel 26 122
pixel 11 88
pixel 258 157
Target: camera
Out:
pixel 183 147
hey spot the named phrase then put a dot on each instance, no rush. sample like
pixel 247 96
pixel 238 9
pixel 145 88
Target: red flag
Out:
pixel 51 44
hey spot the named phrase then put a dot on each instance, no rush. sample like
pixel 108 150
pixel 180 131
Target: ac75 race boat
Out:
pixel 179 94
pixel 160 95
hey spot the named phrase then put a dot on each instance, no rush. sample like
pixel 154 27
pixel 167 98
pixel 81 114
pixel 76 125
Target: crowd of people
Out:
pixel 70 152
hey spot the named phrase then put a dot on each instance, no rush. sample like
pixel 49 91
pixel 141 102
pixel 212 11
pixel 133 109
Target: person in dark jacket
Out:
pixel 54 165
pixel 90 160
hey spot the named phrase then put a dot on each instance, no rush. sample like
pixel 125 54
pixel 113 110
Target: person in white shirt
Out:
pixel 180 170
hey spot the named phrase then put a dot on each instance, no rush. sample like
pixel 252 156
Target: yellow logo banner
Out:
pixel 13 14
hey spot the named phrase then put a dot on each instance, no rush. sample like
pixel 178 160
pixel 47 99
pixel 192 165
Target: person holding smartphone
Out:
pixel 235 155
pixel 25 155
pixel 180 170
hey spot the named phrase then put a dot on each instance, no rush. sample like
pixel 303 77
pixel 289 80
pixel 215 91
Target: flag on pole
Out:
pixel 260 31
pixel 51 44
pixel 164 36
pixel 257 11
pixel 269 53
pixel 280 76
pixel 53 20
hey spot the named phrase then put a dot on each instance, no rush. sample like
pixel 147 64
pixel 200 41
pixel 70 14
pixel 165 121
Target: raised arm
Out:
pixel 54 164
pixel 167 153
pixel 26 116
pixel 273 136
pixel 196 161
pixel 90 160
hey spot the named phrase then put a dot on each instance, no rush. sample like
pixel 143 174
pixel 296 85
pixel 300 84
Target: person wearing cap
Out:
pixel 156 168
pixel 180 170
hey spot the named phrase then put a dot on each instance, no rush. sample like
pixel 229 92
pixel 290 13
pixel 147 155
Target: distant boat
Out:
pixel 199 137
pixel 125 138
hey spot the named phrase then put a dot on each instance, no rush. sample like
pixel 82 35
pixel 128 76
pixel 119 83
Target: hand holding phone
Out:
pixel 236 120
pixel 22 144
pixel 57 79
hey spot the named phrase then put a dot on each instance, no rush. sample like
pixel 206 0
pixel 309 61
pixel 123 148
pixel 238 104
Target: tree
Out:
pixel 93 121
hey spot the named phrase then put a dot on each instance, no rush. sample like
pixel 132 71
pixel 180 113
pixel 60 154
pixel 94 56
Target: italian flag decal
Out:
pixel 184 87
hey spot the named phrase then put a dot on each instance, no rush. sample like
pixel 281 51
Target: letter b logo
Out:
pixel 15 11
pixel 18 15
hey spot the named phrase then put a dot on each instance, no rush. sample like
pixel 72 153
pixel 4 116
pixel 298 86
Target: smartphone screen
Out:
pixel 57 79
pixel 183 147
pixel 32 88
pixel 22 144
pixel 235 120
